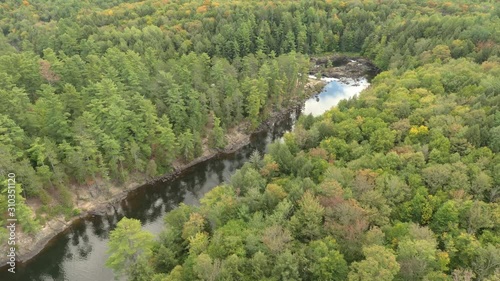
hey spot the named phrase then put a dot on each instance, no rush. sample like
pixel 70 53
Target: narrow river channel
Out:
pixel 79 253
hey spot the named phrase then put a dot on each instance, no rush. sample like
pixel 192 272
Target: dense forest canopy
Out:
pixel 401 183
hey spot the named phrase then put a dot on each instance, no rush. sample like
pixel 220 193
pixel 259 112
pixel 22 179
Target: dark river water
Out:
pixel 79 253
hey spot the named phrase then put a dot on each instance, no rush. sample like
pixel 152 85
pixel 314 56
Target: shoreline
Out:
pixel 58 225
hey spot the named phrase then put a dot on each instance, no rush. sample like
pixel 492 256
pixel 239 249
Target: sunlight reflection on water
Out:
pixel 335 91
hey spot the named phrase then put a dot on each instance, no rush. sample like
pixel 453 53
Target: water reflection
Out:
pixel 333 93
pixel 80 253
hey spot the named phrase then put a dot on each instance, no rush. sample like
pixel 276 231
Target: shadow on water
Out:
pixel 79 253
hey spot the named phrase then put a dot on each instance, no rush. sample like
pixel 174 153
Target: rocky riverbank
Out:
pixel 342 67
pixel 98 202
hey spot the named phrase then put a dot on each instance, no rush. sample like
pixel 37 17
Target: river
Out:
pixel 79 253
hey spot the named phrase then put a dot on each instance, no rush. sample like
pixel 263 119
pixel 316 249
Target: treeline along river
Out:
pixel 79 253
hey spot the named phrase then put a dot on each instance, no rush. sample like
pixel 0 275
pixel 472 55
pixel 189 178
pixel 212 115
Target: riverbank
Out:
pixel 342 66
pixel 106 198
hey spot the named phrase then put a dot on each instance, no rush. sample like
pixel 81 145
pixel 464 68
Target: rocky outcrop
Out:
pixel 341 66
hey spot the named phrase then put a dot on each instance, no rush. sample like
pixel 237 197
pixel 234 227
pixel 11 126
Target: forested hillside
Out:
pixel 78 109
pixel 401 183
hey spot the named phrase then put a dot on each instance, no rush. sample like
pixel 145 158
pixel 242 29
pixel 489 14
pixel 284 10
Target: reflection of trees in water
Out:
pixel 84 250
pixel 80 239
pixel 218 167
pixel 172 195
pixel 76 232
pixel 112 219
pixel 193 180
pixel 142 207
pixel 154 212
pixel 102 225
pixel 40 267
pixel 198 178
pixel 148 204
pixel 99 229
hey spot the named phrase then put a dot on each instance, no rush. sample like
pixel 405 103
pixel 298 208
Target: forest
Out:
pixel 400 183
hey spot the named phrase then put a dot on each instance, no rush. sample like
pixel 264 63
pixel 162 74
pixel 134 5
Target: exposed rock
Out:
pixel 341 66
pixel 96 203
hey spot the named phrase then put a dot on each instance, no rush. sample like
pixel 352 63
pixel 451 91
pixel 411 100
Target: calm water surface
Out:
pixel 79 253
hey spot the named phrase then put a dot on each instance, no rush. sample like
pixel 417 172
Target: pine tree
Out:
pixel 186 145
pixel 151 169
pixel 51 118
pixel 217 138
pixel 168 149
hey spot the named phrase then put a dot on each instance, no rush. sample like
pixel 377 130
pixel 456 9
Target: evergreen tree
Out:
pixel 217 138
pixel 186 145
